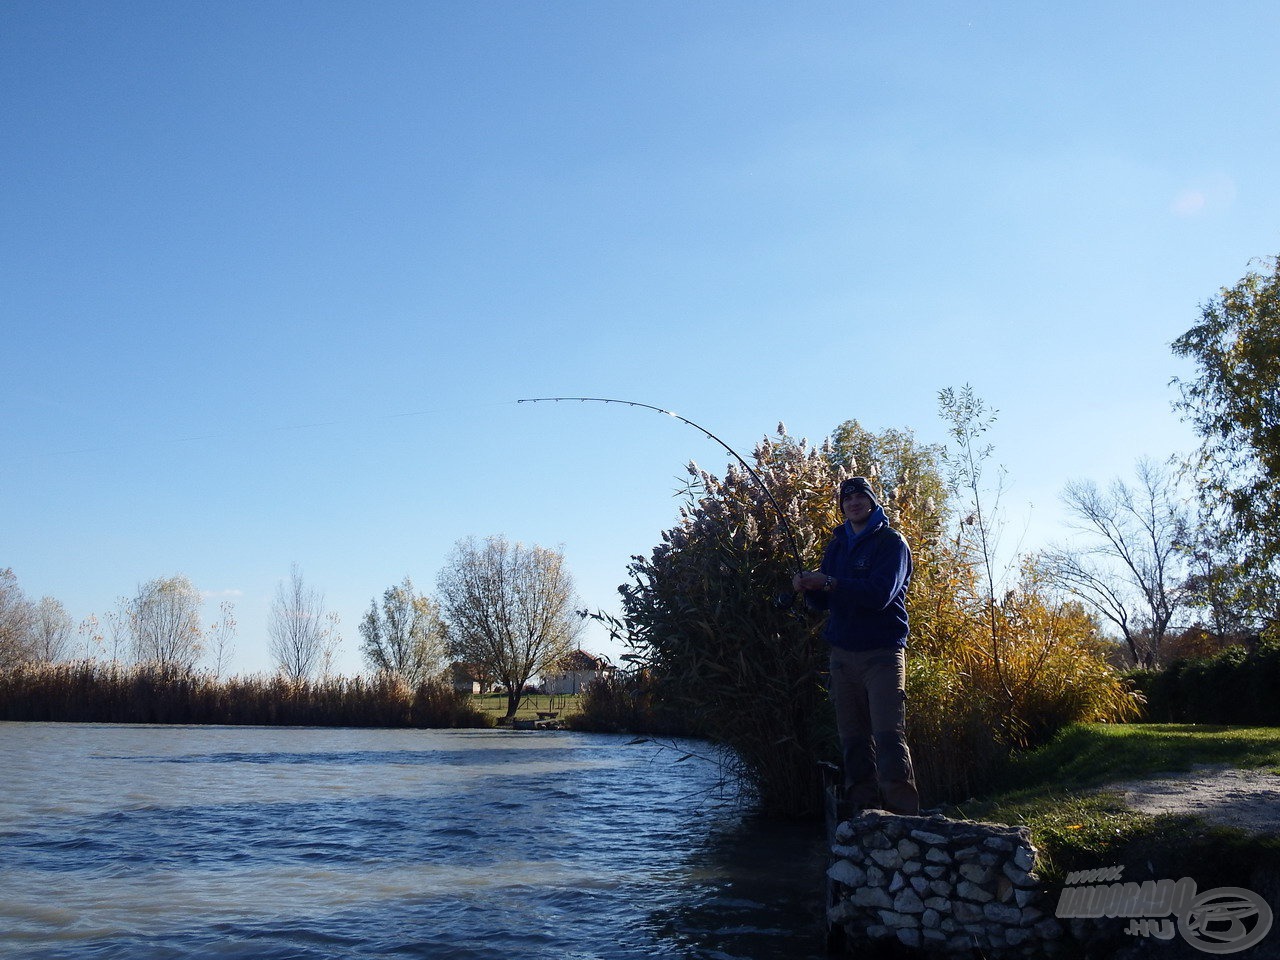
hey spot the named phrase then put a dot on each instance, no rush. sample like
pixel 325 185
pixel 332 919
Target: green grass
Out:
pixel 1058 791
pixel 1095 754
pixel 495 704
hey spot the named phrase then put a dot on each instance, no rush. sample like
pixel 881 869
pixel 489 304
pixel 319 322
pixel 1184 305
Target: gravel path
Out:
pixel 1249 799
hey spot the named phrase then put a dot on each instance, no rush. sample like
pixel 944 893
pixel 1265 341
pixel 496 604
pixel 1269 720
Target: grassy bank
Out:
pixel 1059 792
pixel 494 705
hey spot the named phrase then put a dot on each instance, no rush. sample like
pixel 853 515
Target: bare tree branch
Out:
pixel 298 628
pixel 1133 568
pixel 50 631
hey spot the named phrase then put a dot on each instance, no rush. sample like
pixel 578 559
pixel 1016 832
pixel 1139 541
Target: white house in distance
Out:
pixel 576 672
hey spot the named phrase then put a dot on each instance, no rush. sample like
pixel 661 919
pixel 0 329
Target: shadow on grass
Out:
pixel 1093 755
pixel 1058 791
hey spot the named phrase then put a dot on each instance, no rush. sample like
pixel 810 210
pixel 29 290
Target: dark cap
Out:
pixel 857 485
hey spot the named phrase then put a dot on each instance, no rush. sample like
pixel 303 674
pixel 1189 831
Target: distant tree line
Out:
pixel 30 631
pixel 95 691
pixel 506 609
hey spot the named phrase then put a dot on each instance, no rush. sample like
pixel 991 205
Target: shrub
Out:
pixel 962 721
pixel 703 614
pixel 1236 686
pixel 949 729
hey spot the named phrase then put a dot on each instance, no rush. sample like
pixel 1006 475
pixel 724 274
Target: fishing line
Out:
pixel 250 430
pixel 782 517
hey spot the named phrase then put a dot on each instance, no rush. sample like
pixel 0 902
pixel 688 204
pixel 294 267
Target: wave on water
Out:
pixel 242 843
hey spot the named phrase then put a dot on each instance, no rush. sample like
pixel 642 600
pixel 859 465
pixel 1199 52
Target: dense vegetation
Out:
pixel 104 693
pixel 509 612
pixel 997 663
pixel 710 617
pixel 631 702
pixel 1238 685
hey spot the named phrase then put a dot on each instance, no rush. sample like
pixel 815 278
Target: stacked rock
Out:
pixel 940 885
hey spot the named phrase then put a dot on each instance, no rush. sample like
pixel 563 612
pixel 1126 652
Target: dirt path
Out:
pixel 1249 799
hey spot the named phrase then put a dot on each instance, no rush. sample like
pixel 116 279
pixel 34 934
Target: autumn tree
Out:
pixel 909 474
pixel 404 636
pixel 298 628
pixel 510 610
pixel 1234 405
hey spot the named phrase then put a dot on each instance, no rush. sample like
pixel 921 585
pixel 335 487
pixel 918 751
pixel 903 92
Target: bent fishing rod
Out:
pixel 782 517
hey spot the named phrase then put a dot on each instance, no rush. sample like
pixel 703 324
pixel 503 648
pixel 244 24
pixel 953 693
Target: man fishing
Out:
pixel 863 581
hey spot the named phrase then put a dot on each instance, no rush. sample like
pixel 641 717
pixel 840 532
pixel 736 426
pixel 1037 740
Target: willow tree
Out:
pixel 510 609
pixel 405 636
pixel 162 623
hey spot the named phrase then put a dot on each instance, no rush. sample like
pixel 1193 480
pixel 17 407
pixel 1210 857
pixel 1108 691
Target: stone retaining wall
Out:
pixel 941 885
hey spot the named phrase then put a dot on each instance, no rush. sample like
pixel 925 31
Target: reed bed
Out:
pixel 94 692
pixel 629 703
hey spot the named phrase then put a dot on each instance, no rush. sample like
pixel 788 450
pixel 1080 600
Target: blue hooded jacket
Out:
pixel 872 571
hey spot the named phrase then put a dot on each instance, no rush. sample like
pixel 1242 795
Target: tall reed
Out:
pixel 630 703
pixel 91 691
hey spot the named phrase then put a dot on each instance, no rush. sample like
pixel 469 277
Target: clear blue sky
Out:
pixel 273 273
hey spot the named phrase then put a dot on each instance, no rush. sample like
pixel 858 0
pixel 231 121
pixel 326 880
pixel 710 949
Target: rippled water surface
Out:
pixel 232 842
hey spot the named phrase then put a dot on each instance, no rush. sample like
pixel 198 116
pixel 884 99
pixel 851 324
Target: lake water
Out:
pixel 146 842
